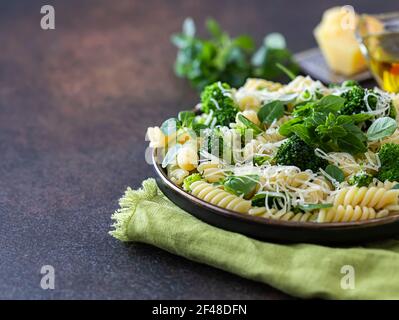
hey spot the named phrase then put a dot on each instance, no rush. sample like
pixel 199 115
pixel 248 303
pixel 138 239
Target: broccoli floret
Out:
pixel 190 179
pixel 361 179
pixel 389 155
pixel 295 152
pixel 355 98
pixel 215 98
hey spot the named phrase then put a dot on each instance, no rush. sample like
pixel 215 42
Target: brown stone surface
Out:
pixel 74 106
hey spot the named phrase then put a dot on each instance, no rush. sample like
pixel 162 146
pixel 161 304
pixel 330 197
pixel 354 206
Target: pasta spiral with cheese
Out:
pixel 219 197
pixel 211 171
pixel 373 197
pixel 349 213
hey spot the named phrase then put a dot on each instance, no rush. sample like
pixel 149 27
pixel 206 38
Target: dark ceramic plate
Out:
pixel 275 230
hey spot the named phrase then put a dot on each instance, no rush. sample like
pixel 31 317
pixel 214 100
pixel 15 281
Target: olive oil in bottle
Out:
pixel 383 54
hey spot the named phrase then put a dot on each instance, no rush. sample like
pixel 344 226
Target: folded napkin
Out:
pixel 301 270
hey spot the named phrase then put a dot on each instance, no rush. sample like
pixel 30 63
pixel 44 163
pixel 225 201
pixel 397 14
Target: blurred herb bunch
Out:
pixel 231 60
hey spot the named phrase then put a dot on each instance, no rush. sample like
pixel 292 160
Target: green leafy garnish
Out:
pixel 381 128
pixel 226 59
pixel 336 173
pixel 249 124
pixel 271 111
pixel 259 160
pixel 190 179
pixel 186 118
pixel 321 124
pixel 241 185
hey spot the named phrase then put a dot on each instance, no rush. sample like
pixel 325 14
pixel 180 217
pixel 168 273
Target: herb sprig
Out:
pixel 226 59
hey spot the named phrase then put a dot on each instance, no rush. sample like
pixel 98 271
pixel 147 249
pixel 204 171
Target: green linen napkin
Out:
pixel 302 270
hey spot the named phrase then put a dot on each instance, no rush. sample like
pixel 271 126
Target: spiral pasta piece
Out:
pixel 211 171
pixel 388 185
pixel 176 174
pixel 219 197
pixel 349 213
pixel 372 197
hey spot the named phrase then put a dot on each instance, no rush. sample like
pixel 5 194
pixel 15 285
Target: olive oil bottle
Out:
pixel 382 51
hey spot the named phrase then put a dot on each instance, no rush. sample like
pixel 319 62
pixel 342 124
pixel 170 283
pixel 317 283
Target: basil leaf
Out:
pixel 335 173
pixel 311 207
pixel 170 157
pixel 241 185
pixel 169 126
pixel 381 128
pixel 249 124
pixel 271 111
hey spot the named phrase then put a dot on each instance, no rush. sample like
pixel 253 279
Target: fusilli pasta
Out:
pixel 219 197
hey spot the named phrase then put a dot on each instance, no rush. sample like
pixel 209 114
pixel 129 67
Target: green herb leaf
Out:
pixel 249 124
pixel 330 104
pixel 271 111
pixel 213 28
pixel 286 128
pixel 335 173
pixel 381 128
pixel 351 144
pixel 311 207
pixel 186 118
pixel 259 160
pixel 241 185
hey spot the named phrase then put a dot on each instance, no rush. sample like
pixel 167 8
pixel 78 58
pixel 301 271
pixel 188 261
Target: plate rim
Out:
pixel 261 220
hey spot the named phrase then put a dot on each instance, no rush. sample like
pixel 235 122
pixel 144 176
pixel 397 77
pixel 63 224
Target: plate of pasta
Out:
pixel 300 162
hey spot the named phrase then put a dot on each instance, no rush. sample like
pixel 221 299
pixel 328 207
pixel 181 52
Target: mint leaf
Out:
pixel 330 104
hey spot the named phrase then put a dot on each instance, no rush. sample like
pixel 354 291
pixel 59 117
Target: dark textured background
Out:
pixel 74 107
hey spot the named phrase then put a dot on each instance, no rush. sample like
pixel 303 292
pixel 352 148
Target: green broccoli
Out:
pixel 215 98
pixel 361 179
pixel 354 98
pixel 190 179
pixel 389 155
pixel 295 152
